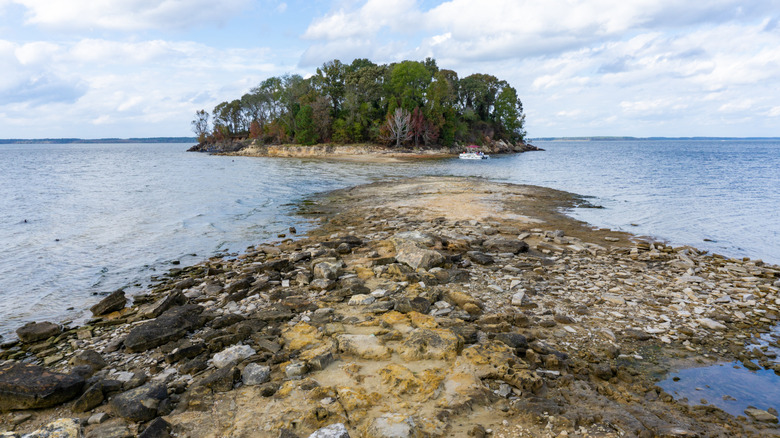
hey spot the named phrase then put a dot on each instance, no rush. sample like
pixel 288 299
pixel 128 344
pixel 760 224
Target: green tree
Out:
pixel 408 82
pixel 509 113
pixel 305 131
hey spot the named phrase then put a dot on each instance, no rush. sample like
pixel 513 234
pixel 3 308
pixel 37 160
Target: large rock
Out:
pixel 417 257
pixel 37 331
pixel 115 301
pixel 170 326
pixel 24 386
pixel 499 244
pixel 139 404
pixel 88 357
pixel 327 270
pixel 255 374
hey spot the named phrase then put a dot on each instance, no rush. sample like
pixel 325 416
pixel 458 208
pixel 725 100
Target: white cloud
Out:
pixel 127 15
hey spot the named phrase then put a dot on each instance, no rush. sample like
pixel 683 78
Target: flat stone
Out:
pixel 37 331
pixel 91 399
pixel 236 353
pixel 761 415
pixel 24 386
pixel 113 302
pixel 361 300
pixel 170 326
pixel 430 344
pixel 88 357
pixel 158 428
pixel 98 418
pixel 711 324
pixel 392 426
pixel 139 404
pixel 417 257
pixel 499 244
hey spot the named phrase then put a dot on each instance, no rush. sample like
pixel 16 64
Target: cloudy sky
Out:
pixel 140 68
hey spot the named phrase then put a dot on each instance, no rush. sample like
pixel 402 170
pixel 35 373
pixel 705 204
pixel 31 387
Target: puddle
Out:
pixel 729 386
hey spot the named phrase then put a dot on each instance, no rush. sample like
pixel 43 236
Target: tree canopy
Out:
pixel 398 104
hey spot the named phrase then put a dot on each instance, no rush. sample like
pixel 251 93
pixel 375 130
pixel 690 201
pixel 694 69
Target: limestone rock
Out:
pixel 711 324
pixel 499 244
pixel 91 399
pixel 37 331
pixel 113 302
pixel 88 357
pixel 337 430
pixel 170 326
pixel 327 270
pixel 417 257
pixel 235 353
pixel 255 374
pixel 24 386
pixel 760 415
pixel 139 404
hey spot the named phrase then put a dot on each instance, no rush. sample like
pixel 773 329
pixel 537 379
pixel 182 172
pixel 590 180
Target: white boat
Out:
pixel 473 156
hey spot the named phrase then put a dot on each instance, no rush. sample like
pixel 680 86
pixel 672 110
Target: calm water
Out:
pixel 76 220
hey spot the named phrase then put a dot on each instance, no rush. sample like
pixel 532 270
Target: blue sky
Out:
pixel 140 68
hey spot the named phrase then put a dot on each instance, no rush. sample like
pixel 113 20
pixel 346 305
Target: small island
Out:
pixel 408 109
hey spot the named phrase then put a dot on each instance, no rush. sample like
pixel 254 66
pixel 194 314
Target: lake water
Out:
pixel 78 220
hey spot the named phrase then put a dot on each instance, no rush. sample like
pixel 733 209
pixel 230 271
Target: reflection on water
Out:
pixel 728 386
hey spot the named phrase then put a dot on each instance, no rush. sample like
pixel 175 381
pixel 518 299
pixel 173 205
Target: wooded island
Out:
pixel 403 104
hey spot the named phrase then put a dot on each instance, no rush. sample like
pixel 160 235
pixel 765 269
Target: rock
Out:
pixel 255 374
pixel 296 369
pixel 113 302
pixel 116 428
pixel 235 353
pixel 417 257
pixel 98 418
pixel 157 308
pixel 170 326
pixel 415 236
pixel 327 270
pixel 498 244
pixel 62 428
pixel 760 415
pixel 139 404
pixel 361 300
pixel 430 344
pixel 88 357
pixel 711 324
pixel 514 340
pixel 480 258
pixel 158 428
pixel 37 331
pixel 363 346
pixel 337 430
pixel 91 399
pixel 222 380
pixel 639 335
pixel 24 386
pixel 392 426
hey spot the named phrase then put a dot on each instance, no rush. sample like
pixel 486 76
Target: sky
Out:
pixel 141 68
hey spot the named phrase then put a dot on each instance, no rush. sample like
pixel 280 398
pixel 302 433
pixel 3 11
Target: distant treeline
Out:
pixel 409 102
pixel 647 138
pixel 99 140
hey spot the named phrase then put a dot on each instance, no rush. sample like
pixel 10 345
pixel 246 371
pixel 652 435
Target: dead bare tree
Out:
pixel 399 126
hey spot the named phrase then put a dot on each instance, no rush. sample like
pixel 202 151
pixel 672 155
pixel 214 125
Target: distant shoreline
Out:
pixel 99 140
pixel 608 138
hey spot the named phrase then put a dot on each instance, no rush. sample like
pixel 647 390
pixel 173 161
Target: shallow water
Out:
pixel 77 220
pixel 729 386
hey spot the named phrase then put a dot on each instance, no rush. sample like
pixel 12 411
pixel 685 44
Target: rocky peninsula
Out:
pixel 424 307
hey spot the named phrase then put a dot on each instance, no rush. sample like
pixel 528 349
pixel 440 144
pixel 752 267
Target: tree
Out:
pixel 200 125
pixel 408 82
pixel 398 126
pixel 330 81
pixel 305 131
pixel 509 113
